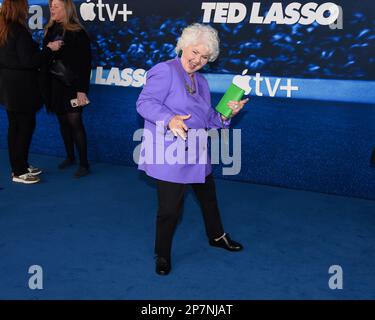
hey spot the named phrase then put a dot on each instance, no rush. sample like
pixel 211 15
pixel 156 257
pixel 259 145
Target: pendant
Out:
pixel 189 89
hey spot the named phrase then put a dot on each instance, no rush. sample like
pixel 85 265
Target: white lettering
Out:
pixel 335 281
pixel 36 280
pixel 236 13
pixel 294 12
pixel 221 12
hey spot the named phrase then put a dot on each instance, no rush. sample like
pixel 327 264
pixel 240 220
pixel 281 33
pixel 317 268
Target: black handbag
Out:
pixel 61 72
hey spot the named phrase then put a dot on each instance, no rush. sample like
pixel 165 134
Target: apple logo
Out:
pixel 243 82
pixel 87 11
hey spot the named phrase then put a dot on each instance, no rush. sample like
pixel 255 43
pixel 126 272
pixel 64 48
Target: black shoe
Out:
pixel 163 266
pixel 66 163
pixel 227 243
pixel 81 172
pixel 372 159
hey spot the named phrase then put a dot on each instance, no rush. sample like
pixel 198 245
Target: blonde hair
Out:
pixel 71 21
pixel 200 34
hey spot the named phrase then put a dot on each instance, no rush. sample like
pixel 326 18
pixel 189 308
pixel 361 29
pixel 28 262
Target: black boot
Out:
pixel 82 171
pixel 66 163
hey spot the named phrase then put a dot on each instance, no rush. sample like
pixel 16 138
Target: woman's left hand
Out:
pixel 55 45
pixel 81 98
pixel 236 107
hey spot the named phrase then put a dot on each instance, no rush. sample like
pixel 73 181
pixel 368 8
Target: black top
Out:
pixel 76 56
pixel 20 59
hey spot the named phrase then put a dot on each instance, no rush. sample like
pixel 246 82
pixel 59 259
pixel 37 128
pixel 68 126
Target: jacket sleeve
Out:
pixel 214 119
pixel 83 49
pixel 150 103
pixel 29 55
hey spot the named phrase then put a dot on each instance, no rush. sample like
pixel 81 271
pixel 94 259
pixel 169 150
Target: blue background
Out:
pixel 319 140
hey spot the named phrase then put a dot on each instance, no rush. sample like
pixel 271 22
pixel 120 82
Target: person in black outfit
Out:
pixel 20 59
pixel 76 57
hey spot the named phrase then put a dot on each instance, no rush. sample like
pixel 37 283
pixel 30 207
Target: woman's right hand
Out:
pixel 177 125
pixel 55 45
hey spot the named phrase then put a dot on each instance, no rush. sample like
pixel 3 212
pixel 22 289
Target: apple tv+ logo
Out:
pixel 88 12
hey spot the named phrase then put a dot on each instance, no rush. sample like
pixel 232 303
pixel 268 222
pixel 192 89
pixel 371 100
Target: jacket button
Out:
pixel 186 148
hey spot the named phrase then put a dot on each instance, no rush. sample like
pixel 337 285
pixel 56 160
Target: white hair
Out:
pixel 200 34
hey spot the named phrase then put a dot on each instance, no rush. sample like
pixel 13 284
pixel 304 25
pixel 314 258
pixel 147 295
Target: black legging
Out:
pixel 20 132
pixel 73 133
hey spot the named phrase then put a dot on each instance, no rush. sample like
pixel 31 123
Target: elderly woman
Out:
pixel 175 99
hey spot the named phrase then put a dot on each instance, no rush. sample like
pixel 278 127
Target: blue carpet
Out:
pixel 94 239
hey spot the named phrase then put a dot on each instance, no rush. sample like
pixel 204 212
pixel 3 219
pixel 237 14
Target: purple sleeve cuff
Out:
pixel 225 123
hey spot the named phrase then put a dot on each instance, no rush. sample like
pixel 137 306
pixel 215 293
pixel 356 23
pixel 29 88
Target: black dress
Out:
pixel 76 56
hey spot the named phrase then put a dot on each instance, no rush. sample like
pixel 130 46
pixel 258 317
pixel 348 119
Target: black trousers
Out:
pixel 171 199
pixel 20 132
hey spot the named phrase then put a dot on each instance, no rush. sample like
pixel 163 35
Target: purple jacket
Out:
pixel 165 95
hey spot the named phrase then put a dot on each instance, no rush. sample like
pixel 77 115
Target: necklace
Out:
pixel 190 89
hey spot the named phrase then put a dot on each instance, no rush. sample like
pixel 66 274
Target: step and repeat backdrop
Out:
pixel 310 120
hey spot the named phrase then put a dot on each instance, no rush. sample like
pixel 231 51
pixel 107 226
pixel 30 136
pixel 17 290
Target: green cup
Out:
pixel 233 93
